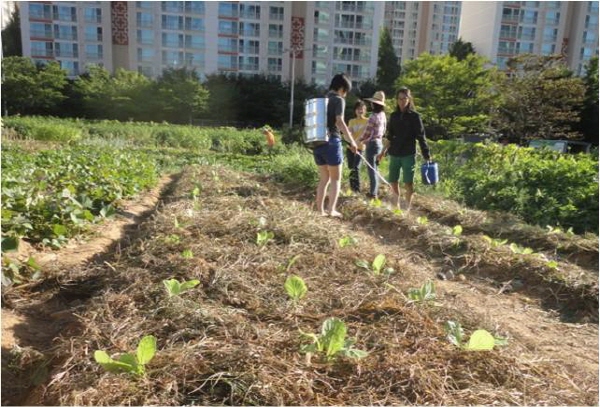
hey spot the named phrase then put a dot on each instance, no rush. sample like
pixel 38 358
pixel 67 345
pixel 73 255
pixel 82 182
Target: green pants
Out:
pixel 405 163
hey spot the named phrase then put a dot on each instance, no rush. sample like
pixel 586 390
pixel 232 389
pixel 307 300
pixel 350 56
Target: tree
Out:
pixel 31 89
pixel 588 124
pixel 11 35
pixel 181 95
pixel 454 97
pixel 460 49
pixel 540 98
pixel 388 68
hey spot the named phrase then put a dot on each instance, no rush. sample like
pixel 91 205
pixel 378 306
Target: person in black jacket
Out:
pixel 405 128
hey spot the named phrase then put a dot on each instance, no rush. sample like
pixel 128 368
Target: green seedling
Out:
pixel 552 265
pixel 457 230
pixel 422 220
pixel 423 294
pixel 332 342
pixel 196 192
pixel 515 248
pixel 479 340
pixel 263 237
pixel 495 242
pixel 347 241
pixel 376 266
pixel 174 287
pixel 375 202
pixel 173 239
pixel 295 287
pixel 398 212
pixel 128 362
pixel 187 254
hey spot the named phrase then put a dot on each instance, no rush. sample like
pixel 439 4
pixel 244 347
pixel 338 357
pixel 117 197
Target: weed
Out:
pixel 347 241
pixel 263 237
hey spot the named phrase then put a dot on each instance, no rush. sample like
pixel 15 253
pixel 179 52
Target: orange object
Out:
pixel 270 138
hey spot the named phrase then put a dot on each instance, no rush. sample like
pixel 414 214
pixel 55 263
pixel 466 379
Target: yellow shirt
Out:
pixel 357 127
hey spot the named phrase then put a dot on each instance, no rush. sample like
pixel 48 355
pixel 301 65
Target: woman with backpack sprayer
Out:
pixel 329 157
pixel 405 128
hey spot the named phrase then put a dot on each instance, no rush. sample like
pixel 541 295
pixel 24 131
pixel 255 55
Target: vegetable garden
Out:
pixel 234 291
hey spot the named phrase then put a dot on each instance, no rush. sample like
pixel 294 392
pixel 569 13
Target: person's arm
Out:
pixel 369 132
pixel 341 124
pixel 420 136
pixel 386 139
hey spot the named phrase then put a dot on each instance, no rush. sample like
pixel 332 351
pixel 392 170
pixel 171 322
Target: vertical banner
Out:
pixel 297 40
pixel 120 31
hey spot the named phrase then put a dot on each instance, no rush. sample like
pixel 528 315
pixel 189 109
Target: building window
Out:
pixel 529 17
pixel 145 54
pixel 172 6
pixel 172 40
pixel 552 17
pixel 194 24
pixel 227 62
pixel 194 41
pixel 527 33
pixel 194 7
pixel 66 50
pixel 172 58
pixel 227 44
pixel 42 49
pixel 548 49
pixel 276 13
pixel 145 20
pixel 93 51
pixel 194 59
pixel 250 11
pixel 250 29
pixel 72 67
pixel 274 65
pixel 40 11
pixel 146 71
pixel 145 5
pixel 248 63
pixel 228 27
pixel 65 13
pixel 228 10
pixel 145 37
pixel 550 34
pixel 65 32
pixel 275 48
pixel 275 31
pixel 40 30
pixel 93 33
pixel 172 22
pixel 92 15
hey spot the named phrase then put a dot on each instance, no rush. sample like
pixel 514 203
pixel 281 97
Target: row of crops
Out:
pixel 83 169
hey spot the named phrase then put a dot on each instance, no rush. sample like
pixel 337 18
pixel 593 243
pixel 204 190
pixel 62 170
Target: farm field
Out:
pixel 236 337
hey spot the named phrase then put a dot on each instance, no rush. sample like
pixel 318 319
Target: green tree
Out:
pixel 224 98
pixel 11 35
pixel 454 97
pixel 588 124
pixel 388 68
pixel 31 89
pixel 460 49
pixel 96 92
pixel 540 98
pixel 181 95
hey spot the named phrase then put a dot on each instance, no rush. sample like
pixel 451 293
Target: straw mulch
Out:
pixel 235 339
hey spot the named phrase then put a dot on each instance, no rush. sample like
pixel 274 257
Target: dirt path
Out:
pixel 28 329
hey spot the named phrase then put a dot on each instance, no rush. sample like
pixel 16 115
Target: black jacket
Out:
pixel 403 132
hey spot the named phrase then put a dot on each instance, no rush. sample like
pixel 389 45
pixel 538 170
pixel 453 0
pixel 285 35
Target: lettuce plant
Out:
pixel 479 340
pixel 129 362
pixel 332 342
pixel 174 287
pixel 295 287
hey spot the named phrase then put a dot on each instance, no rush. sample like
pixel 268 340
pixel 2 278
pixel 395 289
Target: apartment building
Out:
pixel 422 26
pixel 311 40
pixel 501 30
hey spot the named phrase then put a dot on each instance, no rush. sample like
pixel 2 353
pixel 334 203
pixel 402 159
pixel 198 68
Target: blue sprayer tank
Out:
pixel 429 173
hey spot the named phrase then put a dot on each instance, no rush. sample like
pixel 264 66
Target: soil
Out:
pixel 531 326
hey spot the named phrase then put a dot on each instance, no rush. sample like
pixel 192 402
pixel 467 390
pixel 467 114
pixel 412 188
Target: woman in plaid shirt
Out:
pixel 372 138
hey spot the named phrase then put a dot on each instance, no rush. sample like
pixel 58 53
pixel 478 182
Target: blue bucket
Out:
pixel 429 173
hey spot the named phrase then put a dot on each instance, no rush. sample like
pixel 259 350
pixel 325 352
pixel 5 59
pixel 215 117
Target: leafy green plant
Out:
pixel 515 248
pixel 187 254
pixel 295 288
pixel 332 342
pixel 423 294
pixel 376 266
pixel 173 239
pixel 375 202
pixel 174 287
pixel 347 241
pixel 479 340
pixel 127 362
pixel 196 192
pixel 17 272
pixel 495 242
pixel 422 220
pixel 457 230
pixel 263 237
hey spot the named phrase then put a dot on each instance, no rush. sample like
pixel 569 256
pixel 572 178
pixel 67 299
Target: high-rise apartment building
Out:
pixel 501 30
pixel 328 37
pixel 422 26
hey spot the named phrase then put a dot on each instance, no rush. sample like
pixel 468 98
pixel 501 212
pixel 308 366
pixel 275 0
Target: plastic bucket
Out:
pixel 429 173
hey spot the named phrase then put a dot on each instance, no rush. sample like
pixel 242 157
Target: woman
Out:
pixel 329 157
pixel 372 138
pixel 357 127
pixel 404 130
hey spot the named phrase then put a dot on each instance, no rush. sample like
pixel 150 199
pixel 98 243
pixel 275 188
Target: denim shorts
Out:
pixel 330 153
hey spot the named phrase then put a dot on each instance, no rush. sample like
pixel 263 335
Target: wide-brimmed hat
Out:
pixel 378 98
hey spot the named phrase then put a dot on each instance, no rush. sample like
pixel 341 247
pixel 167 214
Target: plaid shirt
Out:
pixel 375 128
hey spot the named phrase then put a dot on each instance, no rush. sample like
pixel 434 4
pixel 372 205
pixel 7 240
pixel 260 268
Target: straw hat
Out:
pixel 378 98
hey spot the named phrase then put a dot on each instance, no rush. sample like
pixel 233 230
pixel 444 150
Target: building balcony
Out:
pixel 248 67
pixel 94 56
pixel 250 33
pixel 66 53
pixel 37 53
pixel 250 50
pixel 42 34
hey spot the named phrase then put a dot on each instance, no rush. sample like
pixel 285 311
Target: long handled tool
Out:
pixel 371 167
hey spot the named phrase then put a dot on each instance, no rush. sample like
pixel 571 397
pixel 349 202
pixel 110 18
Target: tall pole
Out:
pixel 292 92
